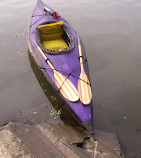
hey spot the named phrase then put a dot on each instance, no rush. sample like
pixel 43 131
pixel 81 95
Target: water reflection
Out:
pixel 52 95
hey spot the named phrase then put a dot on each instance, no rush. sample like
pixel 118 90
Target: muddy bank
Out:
pixel 35 136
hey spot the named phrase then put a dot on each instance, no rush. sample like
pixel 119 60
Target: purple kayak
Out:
pixel 59 43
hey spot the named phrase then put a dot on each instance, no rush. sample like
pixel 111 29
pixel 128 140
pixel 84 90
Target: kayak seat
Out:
pixel 51 36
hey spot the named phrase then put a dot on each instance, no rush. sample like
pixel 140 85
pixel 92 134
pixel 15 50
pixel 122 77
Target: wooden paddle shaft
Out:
pixel 81 63
pixel 80 55
pixel 79 47
pixel 46 59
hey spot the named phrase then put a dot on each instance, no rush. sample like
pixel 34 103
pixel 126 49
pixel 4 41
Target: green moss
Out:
pixel 44 105
pixel 55 114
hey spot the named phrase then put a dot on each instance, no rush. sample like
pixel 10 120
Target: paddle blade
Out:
pixel 84 89
pixel 66 87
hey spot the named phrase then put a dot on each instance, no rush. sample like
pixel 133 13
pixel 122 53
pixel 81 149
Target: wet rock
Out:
pixel 54 140
pixel 40 136
pixel 10 146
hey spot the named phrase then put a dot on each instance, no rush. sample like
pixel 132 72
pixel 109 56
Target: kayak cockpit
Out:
pixel 54 36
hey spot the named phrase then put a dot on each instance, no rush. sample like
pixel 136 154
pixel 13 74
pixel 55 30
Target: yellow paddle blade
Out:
pixel 66 87
pixel 84 89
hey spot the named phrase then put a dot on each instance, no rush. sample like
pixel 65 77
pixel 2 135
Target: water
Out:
pixel 110 31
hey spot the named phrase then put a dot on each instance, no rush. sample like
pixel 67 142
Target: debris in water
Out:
pixel 44 105
pixel 19 34
pixel 55 114
pixel 53 98
pixel 34 112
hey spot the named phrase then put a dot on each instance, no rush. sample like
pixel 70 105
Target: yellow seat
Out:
pixel 56 44
pixel 51 36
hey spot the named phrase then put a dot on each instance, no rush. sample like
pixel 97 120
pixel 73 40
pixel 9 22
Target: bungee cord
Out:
pixel 37 15
pixel 69 74
pixel 37 20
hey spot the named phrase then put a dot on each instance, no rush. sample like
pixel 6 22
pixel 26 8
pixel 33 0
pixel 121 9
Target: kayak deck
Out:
pixel 66 63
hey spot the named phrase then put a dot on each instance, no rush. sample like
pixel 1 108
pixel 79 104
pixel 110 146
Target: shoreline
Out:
pixel 37 134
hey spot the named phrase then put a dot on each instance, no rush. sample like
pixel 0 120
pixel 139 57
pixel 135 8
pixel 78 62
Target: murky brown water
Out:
pixel 111 32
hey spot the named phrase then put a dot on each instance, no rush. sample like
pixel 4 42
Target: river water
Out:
pixel 111 33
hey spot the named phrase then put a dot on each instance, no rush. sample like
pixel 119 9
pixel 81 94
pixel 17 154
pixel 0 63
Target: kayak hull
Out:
pixel 65 63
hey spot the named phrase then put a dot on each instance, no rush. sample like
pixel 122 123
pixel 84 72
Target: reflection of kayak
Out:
pixel 59 43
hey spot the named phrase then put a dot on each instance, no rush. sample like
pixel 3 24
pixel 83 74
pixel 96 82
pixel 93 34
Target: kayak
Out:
pixel 60 55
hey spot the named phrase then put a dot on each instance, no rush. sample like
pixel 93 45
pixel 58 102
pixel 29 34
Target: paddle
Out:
pixel 84 87
pixel 64 85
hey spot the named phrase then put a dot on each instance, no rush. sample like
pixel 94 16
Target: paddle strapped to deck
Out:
pixel 84 87
pixel 64 85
